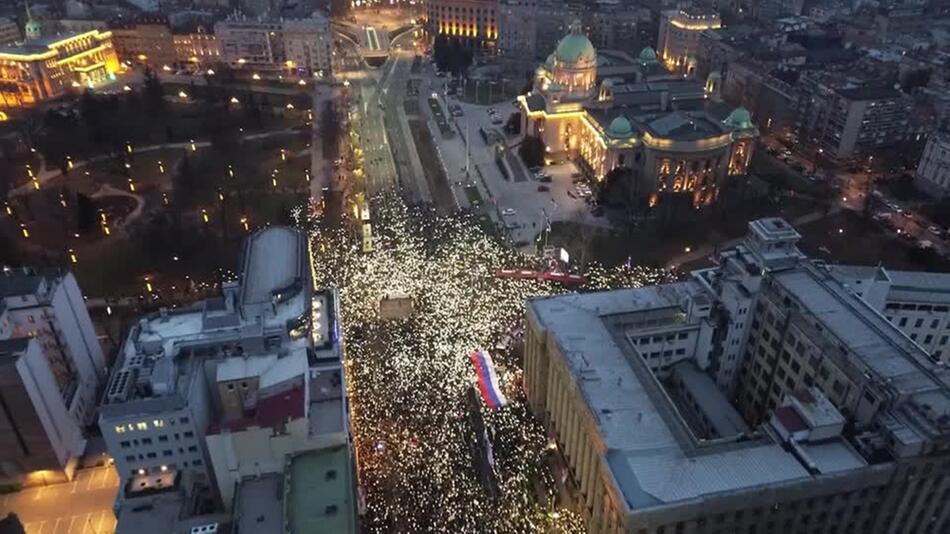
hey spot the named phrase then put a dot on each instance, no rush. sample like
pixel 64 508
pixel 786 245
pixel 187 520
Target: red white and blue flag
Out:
pixel 487 379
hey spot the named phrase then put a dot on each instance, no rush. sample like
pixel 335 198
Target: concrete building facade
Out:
pixel 828 420
pixel 270 47
pixel 473 22
pixel 53 366
pixel 678 39
pixel 145 41
pixel 933 170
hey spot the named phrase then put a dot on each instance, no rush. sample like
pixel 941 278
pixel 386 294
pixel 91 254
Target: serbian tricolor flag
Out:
pixel 487 379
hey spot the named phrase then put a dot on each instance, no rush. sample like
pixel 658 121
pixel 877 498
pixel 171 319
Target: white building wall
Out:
pixel 149 441
pixel 933 170
pixel 64 434
pixel 926 324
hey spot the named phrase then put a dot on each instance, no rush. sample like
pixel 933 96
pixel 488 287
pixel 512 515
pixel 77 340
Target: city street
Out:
pixel 83 506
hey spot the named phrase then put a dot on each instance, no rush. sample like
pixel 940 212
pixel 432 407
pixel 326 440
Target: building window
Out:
pixel 151 455
pixel 119 429
pixel 146 441
pixel 163 438
pixel 125 444
pixel 158 423
pixel 193 449
pixel 189 434
pixel 142 425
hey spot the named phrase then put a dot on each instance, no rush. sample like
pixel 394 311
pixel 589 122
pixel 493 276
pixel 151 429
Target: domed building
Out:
pixel 671 135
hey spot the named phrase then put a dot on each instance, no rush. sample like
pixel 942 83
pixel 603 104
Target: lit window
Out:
pixel 142 425
pixel 119 429
pixel 158 423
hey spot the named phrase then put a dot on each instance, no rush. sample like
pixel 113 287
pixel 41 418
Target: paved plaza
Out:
pixel 83 506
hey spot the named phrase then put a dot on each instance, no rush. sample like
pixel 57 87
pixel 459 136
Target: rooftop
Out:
pixel 258 505
pixel 262 276
pixel 320 492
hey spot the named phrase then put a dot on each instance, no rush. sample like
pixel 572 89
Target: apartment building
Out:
pixel 51 368
pixel 847 122
pixel 933 170
pixel 229 388
pixel 678 40
pixel 196 47
pixel 529 29
pixel 147 40
pixel 273 47
pixel 9 32
pixel 760 395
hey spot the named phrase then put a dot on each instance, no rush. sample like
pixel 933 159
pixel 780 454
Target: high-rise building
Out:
pixel 52 367
pixel 763 394
pixel 678 39
pixel 299 47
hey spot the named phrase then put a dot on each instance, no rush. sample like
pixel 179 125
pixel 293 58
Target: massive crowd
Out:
pixel 408 378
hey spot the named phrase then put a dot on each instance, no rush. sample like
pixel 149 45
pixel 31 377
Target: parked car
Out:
pixel 546 178
pixel 543 188
pixel 508 212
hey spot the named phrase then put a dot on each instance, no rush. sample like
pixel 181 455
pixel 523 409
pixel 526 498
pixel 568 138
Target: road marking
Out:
pixel 86 523
pixel 71 520
pixel 39 493
pixel 56 524
pixel 99 524
pixel 89 482
pixel 40 529
pixel 75 484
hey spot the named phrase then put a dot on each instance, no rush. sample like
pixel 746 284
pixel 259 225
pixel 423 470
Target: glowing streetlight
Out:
pixel 69 162
pixel 290 106
pixel 283 155
pixel 182 95
pixel 131 185
pixel 256 76
pixel 24 231
pixel 36 184
pixel 193 146
pixel 244 223
pixel 148 284
pixel 72 256
pixel 164 199
pixel 231 171
pixel 204 215
pixel 161 168
pixel 8 208
pixel 234 100
pixel 166 68
pixel 302 82
pixel 210 72
pixel 128 147
pixel 126 88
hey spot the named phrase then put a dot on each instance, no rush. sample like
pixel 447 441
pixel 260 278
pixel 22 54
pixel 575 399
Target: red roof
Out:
pixel 790 419
pixel 272 411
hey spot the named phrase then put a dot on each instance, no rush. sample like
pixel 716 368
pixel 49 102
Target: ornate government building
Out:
pixel 608 111
pixel 45 68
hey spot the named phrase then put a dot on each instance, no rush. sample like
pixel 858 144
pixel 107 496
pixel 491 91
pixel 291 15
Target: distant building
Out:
pixel 197 47
pixel 847 122
pixel 678 39
pixel 623 117
pixel 9 32
pixel 52 367
pixel 229 389
pixel 917 303
pixel 529 29
pixel 46 68
pixel 145 41
pixel 763 393
pixel 473 22
pixel 933 170
pixel 299 47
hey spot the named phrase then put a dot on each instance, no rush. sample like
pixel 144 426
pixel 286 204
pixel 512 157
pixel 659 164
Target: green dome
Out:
pixel 739 119
pixel 648 55
pixel 32 29
pixel 620 128
pixel 575 47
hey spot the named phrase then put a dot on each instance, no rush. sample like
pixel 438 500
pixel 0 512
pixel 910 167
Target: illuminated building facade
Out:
pixel 196 47
pixel 665 131
pixel 473 22
pixel 678 39
pixel 42 69
pixel 147 41
pixel 291 46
